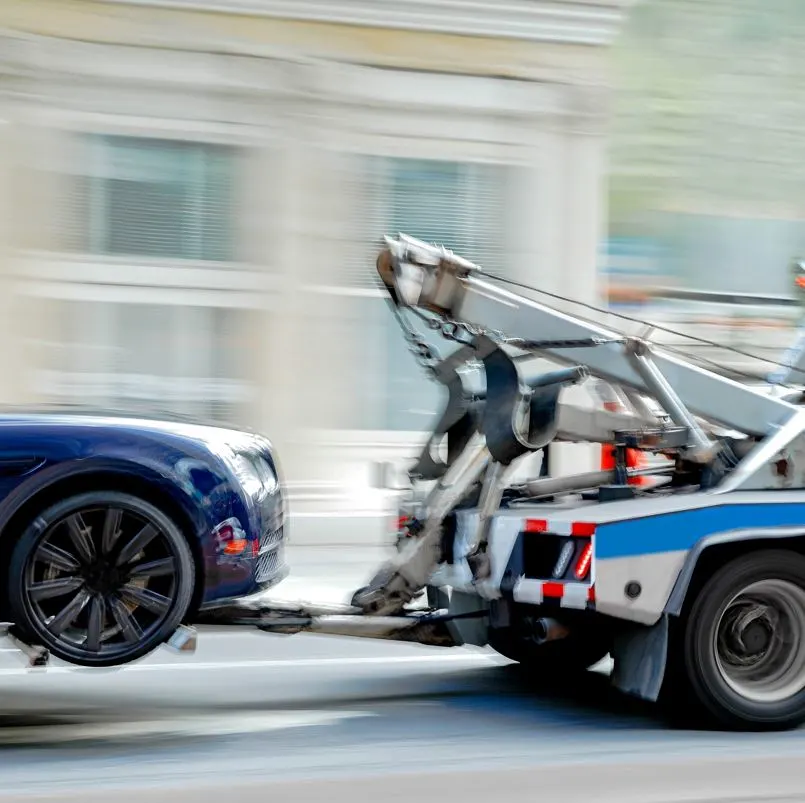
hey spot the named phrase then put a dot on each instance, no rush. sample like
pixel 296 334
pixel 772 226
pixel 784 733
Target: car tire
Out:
pixel 724 648
pixel 100 579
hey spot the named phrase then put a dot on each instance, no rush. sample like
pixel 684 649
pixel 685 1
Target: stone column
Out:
pixel 28 322
pixel 260 182
pixel 558 223
pixel 585 194
pixel 583 233
pixel 9 353
pixel 46 188
pixel 536 211
pixel 304 364
pixel 275 202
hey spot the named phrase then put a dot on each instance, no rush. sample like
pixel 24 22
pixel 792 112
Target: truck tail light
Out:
pixel 563 561
pixel 583 563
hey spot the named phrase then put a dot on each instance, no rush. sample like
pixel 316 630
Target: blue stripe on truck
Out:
pixel 680 530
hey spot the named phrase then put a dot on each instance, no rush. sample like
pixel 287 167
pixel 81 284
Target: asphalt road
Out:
pixel 254 717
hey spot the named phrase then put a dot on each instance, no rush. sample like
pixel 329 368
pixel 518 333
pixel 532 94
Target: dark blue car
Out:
pixel 115 530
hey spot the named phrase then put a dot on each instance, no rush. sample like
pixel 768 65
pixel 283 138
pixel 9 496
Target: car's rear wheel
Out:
pixel 741 646
pixel 101 579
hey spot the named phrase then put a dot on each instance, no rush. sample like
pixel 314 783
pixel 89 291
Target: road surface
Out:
pixel 255 717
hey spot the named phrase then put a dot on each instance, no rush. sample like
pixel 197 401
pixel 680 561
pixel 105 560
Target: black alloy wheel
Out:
pixel 101 579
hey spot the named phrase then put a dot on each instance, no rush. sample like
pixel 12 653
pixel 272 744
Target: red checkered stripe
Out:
pixel 579 595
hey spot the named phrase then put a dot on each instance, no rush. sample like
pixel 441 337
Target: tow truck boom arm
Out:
pixel 432 278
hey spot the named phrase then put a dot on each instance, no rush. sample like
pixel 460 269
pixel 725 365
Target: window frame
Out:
pixel 100 324
pixel 98 150
pixel 384 345
pixel 60 276
pixel 64 126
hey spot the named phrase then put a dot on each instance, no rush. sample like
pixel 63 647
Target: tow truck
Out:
pixel 692 579
pixel 689 571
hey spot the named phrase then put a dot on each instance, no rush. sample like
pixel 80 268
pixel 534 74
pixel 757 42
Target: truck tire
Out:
pixel 740 647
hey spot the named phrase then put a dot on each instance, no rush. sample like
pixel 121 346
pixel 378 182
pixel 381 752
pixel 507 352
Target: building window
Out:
pixel 457 204
pixel 144 358
pixel 461 205
pixel 151 198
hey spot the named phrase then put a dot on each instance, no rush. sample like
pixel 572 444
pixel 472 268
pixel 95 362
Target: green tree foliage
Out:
pixel 709 111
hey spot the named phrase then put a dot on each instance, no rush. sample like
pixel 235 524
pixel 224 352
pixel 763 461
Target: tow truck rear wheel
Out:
pixel 741 645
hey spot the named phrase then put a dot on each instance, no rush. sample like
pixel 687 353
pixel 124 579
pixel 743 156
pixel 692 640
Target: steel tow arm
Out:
pixel 521 414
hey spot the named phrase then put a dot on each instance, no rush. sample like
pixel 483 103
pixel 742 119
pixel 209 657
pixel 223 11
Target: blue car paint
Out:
pixel 682 530
pixel 39 449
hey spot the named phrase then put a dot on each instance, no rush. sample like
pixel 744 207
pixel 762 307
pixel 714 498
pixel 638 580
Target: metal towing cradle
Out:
pixel 694 583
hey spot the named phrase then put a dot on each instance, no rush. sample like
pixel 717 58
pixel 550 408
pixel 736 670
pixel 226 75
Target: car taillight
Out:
pixel 231 537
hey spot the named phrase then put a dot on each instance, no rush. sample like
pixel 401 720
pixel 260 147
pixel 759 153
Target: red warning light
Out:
pixel 583 563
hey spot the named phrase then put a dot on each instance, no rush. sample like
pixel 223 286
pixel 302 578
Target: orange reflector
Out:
pixel 235 547
pixel 536 526
pixel 584 561
pixel 582 528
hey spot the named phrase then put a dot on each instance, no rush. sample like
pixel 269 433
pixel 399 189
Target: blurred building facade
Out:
pixel 192 195
pixel 707 156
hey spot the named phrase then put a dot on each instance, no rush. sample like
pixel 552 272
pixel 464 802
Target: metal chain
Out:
pixel 456 331
pixel 423 352
pixel 464 333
